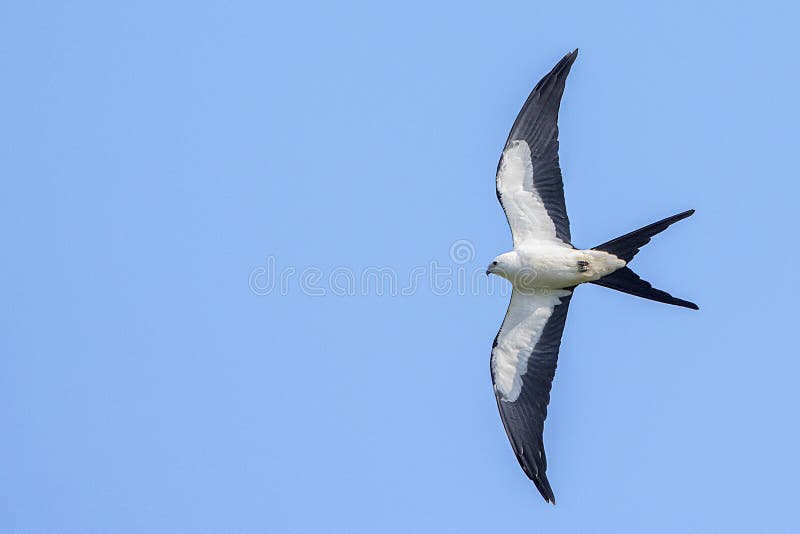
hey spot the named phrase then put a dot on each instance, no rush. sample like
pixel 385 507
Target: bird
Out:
pixel 544 269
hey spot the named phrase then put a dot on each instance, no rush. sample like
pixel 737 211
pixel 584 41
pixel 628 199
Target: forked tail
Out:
pixel 625 247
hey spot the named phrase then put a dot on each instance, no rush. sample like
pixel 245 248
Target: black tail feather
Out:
pixel 625 247
pixel 629 282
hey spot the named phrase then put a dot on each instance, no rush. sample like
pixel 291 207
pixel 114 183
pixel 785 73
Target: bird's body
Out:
pixel 546 265
pixel 544 268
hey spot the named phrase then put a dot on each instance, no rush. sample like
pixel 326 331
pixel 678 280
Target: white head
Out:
pixel 505 265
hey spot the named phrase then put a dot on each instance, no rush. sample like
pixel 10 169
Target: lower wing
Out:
pixel 523 364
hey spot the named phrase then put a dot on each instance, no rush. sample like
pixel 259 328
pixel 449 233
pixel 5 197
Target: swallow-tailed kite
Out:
pixel 544 269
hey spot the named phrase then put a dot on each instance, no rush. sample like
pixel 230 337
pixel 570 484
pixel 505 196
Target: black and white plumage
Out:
pixel 544 269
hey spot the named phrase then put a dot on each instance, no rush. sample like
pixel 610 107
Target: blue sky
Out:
pixel 156 158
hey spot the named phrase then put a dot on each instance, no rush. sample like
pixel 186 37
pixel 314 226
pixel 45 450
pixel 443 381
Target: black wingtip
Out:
pixel 555 78
pixel 569 58
pixel 543 485
pixel 563 66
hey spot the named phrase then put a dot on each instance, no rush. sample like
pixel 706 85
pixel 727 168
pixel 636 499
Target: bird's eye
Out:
pixel 494 263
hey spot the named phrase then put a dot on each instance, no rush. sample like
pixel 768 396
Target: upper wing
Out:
pixel 524 357
pixel 529 184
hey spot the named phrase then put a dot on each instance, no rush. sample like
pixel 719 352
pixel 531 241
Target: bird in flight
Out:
pixel 544 269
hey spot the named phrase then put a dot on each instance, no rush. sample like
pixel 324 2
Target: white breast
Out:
pixel 546 265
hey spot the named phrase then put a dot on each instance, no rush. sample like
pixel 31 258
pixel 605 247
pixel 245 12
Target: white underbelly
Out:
pixel 550 267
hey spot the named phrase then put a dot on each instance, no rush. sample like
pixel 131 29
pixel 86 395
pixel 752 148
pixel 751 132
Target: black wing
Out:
pixel 522 389
pixel 537 126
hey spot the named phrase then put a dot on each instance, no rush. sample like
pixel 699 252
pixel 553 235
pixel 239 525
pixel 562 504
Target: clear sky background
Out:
pixel 156 158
